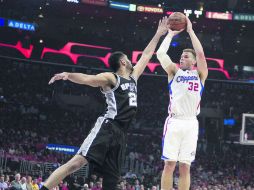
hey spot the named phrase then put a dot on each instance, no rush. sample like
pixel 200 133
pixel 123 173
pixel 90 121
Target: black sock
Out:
pixel 44 188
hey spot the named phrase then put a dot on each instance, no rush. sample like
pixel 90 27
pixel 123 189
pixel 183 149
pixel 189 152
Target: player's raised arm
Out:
pixel 149 50
pixel 162 55
pixel 100 80
pixel 200 55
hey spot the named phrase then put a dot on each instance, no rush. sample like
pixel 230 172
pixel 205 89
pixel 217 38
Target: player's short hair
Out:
pixel 114 60
pixel 191 51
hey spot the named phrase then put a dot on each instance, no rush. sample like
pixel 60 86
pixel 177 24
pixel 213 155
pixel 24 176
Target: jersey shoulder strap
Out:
pixel 133 78
pixel 115 87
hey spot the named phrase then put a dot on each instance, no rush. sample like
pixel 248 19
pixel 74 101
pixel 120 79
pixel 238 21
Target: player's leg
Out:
pixel 167 175
pixel 111 171
pixel 60 173
pixel 93 148
pixel 170 149
pixel 110 179
pixel 187 153
pixel 184 179
pixel 114 159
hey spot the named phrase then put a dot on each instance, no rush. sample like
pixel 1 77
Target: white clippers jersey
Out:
pixel 185 91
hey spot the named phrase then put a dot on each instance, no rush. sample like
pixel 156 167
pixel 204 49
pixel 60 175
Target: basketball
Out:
pixel 177 21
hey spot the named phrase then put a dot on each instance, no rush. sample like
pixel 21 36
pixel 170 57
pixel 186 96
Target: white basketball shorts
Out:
pixel 179 140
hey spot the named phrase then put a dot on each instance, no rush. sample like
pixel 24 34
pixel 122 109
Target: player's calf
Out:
pixel 167 175
pixel 184 179
pixel 60 173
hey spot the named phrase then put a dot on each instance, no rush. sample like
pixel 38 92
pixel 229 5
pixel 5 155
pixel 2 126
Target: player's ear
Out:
pixel 194 63
pixel 122 61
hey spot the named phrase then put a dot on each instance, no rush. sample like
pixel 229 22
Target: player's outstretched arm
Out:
pixel 99 80
pixel 200 55
pixel 149 50
pixel 162 55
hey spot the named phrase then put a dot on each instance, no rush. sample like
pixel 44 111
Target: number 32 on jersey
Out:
pixel 193 86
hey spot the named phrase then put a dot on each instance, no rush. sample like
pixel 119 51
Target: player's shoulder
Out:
pixel 107 74
pixel 111 77
pixel 193 72
pixel 178 70
pixel 197 73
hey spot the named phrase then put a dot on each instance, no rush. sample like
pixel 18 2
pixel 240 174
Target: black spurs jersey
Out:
pixel 122 101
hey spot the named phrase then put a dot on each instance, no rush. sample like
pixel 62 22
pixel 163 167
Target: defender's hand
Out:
pixel 163 26
pixel 59 76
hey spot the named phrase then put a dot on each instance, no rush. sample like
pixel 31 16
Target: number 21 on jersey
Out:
pixel 132 99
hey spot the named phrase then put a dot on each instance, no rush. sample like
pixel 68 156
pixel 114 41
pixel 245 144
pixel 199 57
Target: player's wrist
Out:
pixel 170 34
pixel 158 34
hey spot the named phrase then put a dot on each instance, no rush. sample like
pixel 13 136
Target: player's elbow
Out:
pixel 94 85
pixel 147 53
pixel 160 53
pixel 160 56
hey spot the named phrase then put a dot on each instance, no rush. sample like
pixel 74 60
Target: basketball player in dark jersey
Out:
pixel 106 142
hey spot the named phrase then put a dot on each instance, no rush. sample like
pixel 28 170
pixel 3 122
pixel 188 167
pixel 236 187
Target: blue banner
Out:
pixel 21 25
pixel 63 148
pixel 1 22
pixel 229 121
pixel 117 5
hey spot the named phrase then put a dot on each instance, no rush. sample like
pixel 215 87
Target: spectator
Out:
pixel 74 183
pixel 91 185
pixel 65 186
pixel 129 187
pixel 3 184
pixel 29 183
pixel 7 180
pixel 39 182
pixel 34 184
pixel 15 184
pixel 122 185
pixel 98 186
pixel 23 183
pixel 86 187
pixel 137 186
pixel 93 178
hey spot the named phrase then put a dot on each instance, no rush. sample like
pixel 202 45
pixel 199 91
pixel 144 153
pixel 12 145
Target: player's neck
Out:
pixel 124 73
pixel 187 69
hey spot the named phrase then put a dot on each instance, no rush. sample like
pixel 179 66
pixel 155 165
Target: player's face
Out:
pixel 187 61
pixel 128 63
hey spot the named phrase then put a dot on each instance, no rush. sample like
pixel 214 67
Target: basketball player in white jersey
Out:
pixel 181 127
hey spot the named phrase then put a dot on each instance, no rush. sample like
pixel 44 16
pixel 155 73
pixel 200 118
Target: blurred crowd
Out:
pixel 229 169
pixel 33 115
